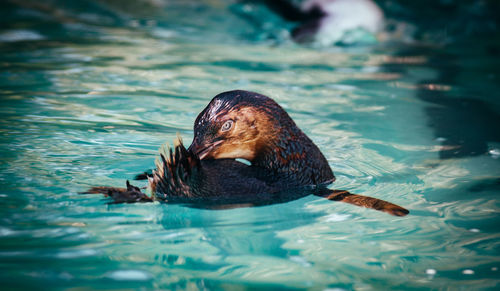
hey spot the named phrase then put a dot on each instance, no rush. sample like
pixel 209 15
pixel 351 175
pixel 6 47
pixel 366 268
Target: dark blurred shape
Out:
pixel 463 120
pixel 492 184
pixel 464 125
pixel 445 20
pixel 310 20
pixel 291 12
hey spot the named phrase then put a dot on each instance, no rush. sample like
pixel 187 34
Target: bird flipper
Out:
pixel 363 201
pixel 131 194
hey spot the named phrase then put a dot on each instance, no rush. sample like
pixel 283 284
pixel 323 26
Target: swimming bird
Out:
pixel 285 164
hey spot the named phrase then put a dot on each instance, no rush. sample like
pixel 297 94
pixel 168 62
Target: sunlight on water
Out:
pixel 88 97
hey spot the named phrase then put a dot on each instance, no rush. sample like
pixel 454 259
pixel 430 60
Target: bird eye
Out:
pixel 227 125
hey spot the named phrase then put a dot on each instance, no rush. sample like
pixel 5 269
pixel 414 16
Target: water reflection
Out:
pixel 464 125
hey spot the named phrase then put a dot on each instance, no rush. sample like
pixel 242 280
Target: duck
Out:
pixel 246 151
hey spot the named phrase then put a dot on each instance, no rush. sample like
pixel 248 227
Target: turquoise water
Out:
pixel 89 92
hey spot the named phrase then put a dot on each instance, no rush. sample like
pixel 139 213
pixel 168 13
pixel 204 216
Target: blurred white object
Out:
pixel 341 17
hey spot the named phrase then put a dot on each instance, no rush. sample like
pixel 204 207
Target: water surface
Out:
pixel 90 90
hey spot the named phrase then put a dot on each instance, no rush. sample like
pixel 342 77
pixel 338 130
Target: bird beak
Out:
pixel 203 149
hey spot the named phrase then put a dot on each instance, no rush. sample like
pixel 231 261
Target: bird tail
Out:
pixel 364 201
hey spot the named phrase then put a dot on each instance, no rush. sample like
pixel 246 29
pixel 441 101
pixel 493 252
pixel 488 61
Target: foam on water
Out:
pixel 129 275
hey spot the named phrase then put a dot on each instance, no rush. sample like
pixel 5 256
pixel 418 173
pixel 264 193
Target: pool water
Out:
pixel 90 91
